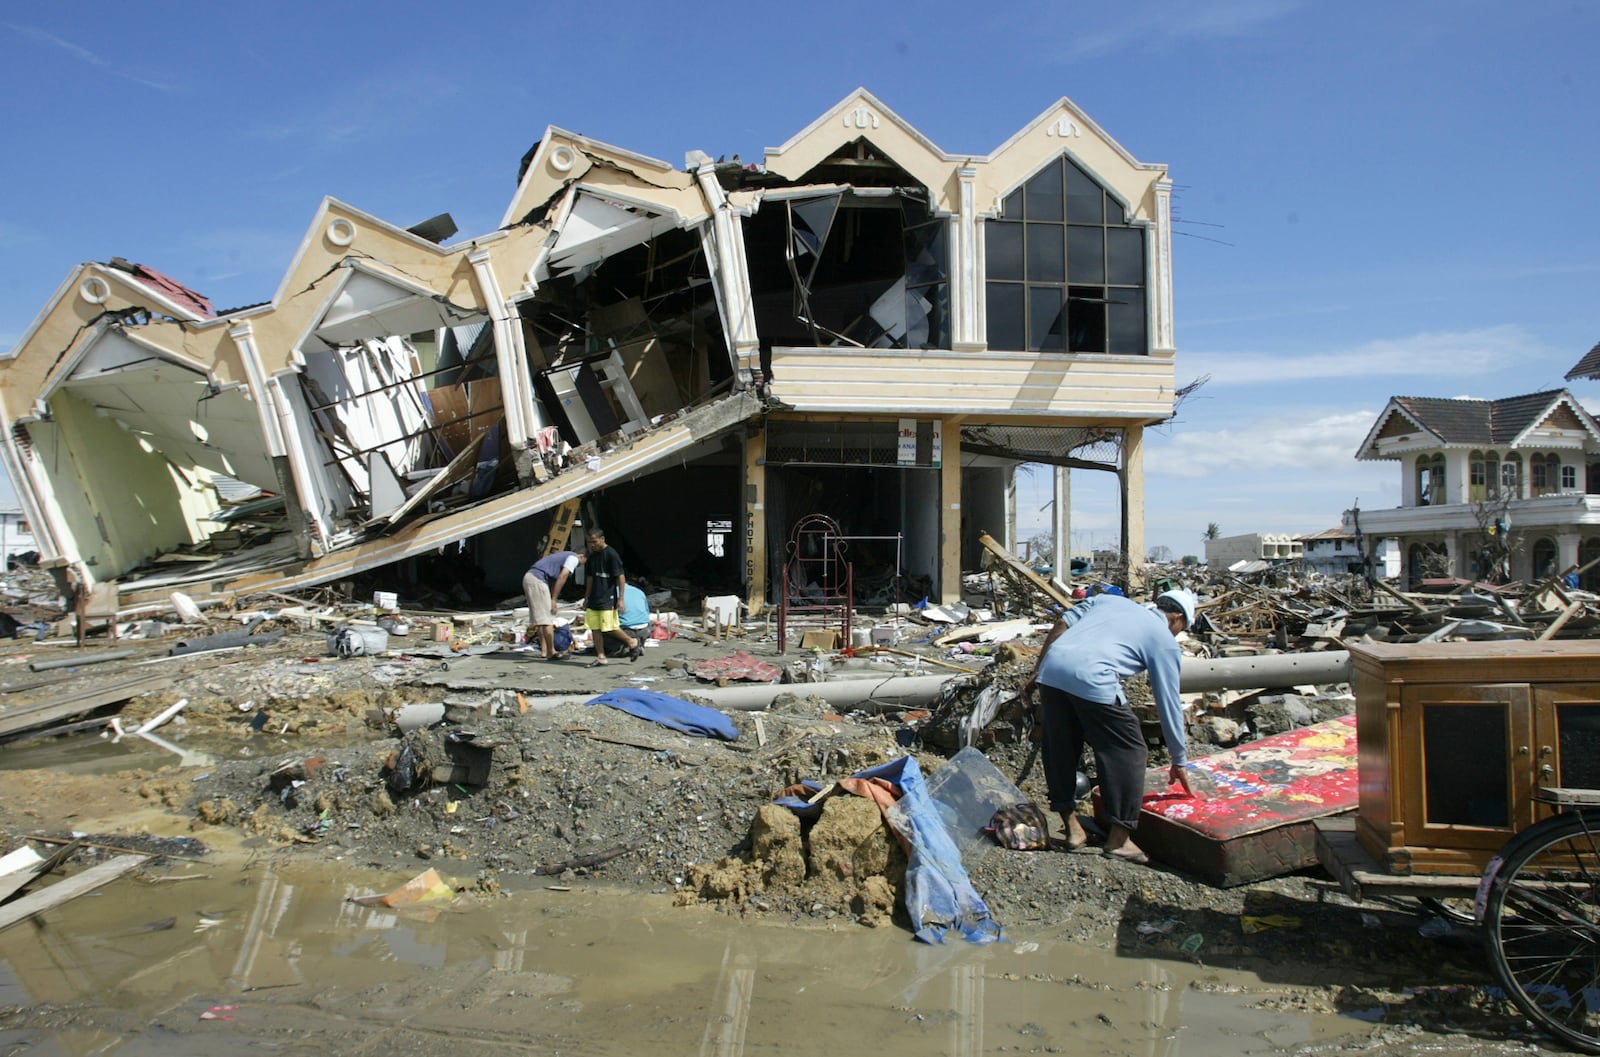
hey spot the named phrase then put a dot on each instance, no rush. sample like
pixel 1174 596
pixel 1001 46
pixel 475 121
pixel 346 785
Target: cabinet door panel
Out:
pixel 1567 746
pixel 1464 756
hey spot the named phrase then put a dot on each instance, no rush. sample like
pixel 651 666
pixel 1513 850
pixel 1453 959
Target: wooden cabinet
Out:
pixel 1454 738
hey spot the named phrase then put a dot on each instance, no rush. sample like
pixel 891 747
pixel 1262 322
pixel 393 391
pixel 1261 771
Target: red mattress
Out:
pixel 1250 817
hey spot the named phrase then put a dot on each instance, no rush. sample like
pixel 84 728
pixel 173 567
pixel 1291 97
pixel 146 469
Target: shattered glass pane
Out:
pixel 1003 250
pixel 1086 254
pixel 1047 262
pixel 1043 194
pixel 1004 307
pixel 1125 256
pixel 926 256
pixel 813 219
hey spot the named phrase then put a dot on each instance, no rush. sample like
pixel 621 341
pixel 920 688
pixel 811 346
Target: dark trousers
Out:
pixel 1120 754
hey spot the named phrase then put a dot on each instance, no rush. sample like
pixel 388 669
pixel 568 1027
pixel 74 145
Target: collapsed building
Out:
pixel 843 352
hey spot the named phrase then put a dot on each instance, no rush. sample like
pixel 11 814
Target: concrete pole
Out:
pixel 1062 528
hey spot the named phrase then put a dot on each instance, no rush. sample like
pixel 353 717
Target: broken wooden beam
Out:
pixel 1039 583
pixel 64 891
pixel 76 702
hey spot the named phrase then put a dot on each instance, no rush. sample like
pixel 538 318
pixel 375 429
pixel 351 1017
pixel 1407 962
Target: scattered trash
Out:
pixel 426 887
pixel 1435 928
pixel 1251 924
pixel 1158 928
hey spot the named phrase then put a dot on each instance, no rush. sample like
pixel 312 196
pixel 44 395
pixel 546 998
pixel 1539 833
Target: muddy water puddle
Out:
pixel 279 960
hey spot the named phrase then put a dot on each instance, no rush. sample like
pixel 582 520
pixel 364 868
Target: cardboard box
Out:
pixel 820 640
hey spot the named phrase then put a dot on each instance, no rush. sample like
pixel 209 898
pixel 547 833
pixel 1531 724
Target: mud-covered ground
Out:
pixel 303 756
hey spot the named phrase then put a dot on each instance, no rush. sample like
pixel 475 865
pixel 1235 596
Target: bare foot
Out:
pixel 1077 836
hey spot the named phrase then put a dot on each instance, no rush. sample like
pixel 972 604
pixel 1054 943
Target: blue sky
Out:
pixel 1373 198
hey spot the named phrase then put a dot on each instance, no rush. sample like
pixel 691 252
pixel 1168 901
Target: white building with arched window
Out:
pixel 1491 490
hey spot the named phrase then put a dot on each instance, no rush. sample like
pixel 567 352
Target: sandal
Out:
pixel 595 664
pixel 635 653
pixel 1138 858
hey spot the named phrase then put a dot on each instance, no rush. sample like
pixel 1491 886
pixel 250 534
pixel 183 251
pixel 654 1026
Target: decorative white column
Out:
pixel 303 499
pixel 1567 551
pixel 516 387
pixel 38 499
pixel 966 304
pixel 1163 331
pixel 731 277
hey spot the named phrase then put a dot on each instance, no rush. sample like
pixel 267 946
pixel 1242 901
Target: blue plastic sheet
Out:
pixel 671 712
pixel 939 896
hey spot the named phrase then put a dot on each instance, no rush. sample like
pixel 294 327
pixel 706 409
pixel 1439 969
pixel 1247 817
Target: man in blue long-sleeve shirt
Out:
pixel 1079 679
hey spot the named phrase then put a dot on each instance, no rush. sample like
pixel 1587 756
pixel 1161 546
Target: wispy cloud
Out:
pixel 1447 353
pixel 1310 446
pixel 1155 25
pixel 84 55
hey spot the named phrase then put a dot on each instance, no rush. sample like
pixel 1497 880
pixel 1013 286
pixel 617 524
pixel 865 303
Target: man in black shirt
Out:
pixel 604 583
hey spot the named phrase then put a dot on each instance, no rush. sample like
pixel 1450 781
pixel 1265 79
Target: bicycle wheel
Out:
pixel 1542 925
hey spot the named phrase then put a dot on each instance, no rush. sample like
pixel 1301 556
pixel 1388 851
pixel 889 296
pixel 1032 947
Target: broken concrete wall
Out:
pixel 123 502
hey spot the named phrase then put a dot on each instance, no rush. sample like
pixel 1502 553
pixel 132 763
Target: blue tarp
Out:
pixel 671 712
pixel 939 896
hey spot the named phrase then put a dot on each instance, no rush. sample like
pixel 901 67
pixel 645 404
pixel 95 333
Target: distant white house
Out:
pixel 1508 486
pixel 16 536
pixel 1335 551
pixel 1225 552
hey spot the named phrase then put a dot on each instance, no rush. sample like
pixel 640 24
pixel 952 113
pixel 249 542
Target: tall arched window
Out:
pixel 1477 478
pixel 1511 476
pixel 1544 473
pixel 1544 556
pixel 1430 480
pixel 1065 269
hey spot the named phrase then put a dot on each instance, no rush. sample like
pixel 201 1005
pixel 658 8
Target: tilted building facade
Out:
pixel 862 325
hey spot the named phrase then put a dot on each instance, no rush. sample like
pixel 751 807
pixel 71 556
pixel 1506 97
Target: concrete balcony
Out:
pixel 1558 510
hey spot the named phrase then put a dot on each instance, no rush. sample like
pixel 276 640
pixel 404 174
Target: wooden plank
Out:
pixel 76 702
pixel 1553 795
pixel 1361 876
pixel 71 888
pixel 1039 583
pixel 561 526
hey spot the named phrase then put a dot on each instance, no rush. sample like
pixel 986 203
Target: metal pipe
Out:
pixel 1263 670
pixel 890 693
pixel 73 662
pixel 886 693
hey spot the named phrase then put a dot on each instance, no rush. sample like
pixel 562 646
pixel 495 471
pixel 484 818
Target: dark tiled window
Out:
pixel 1065 270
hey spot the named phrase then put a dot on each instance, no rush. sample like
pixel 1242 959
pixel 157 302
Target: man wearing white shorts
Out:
pixel 542 585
